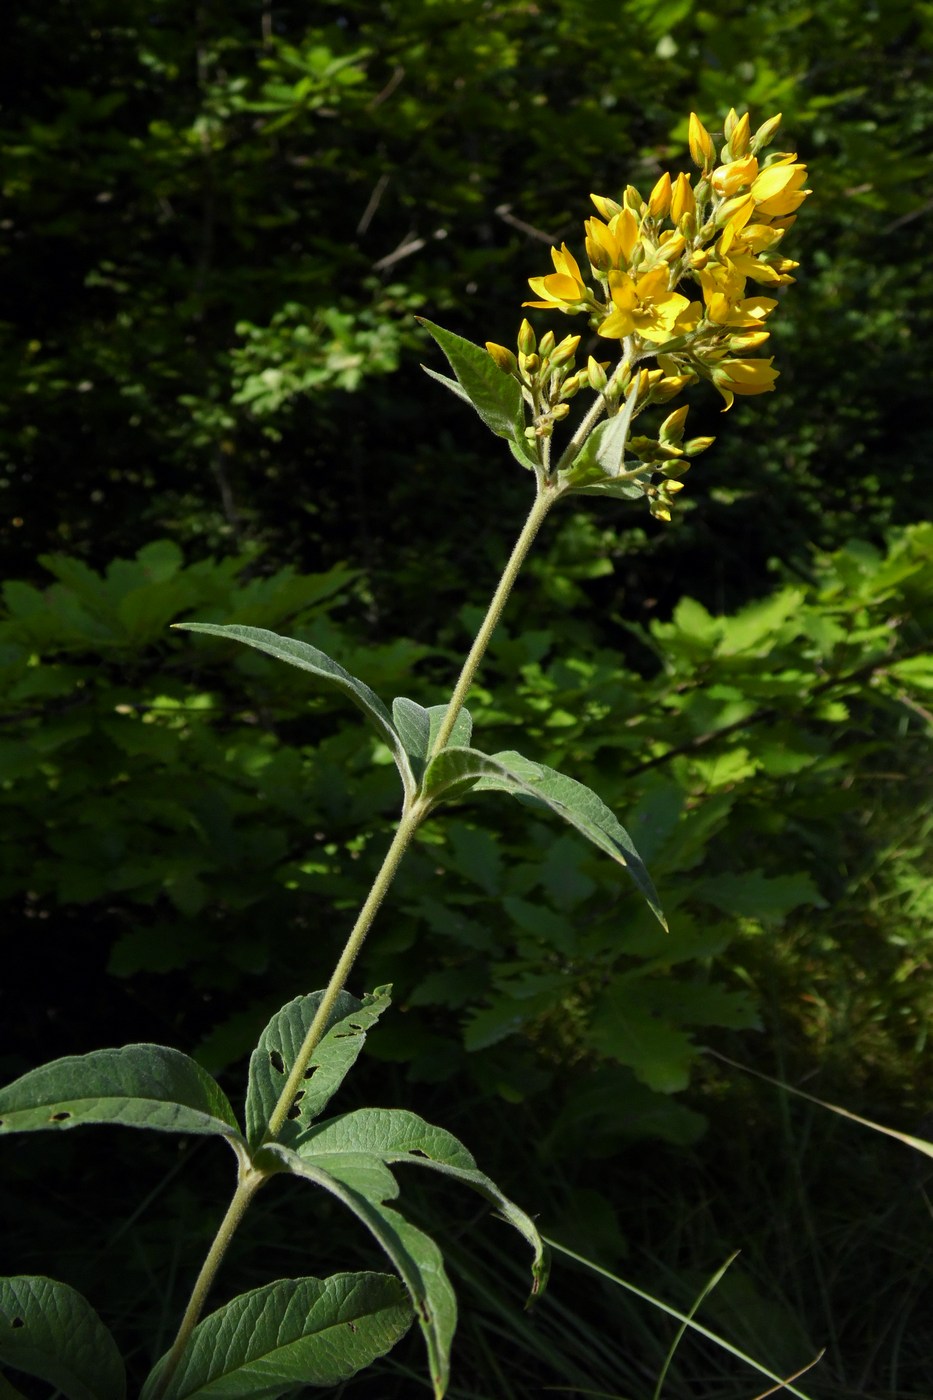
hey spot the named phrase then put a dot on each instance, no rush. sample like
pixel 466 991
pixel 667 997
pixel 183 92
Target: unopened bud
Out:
pixel 702 149
pixel 682 200
pixel 696 445
pixel 659 200
pixel 546 344
pixel 633 200
pixel 564 352
pixel 559 411
pixel 672 429
pixel 765 133
pixel 527 343
pixel 502 357
pixel 608 208
pixel 596 375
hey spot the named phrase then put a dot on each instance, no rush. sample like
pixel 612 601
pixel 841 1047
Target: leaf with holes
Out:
pixel 395 1135
pixel 319 664
pixel 419 727
pixel 414 1254
pixel 279 1044
pixel 496 396
pixel 48 1330
pixel 456 771
pixel 299 1331
pixel 140 1086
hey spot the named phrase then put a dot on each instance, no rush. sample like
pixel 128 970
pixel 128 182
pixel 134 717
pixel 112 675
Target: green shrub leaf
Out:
pixel 395 1135
pixel 140 1086
pixel 414 1254
pixel 318 663
pixel 279 1044
pixel 458 770
pixel 418 728
pixel 496 397
pixel 48 1330
pixel 294 1332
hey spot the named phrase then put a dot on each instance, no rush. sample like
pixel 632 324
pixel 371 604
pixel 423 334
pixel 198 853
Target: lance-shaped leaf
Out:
pixel 458 770
pixel 414 1254
pixel 319 664
pixel 418 728
pixel 48 1330
pixel 272 1060
pixel 140 1086
pixel 395 1135
pixel 496 396
pixel 295 1332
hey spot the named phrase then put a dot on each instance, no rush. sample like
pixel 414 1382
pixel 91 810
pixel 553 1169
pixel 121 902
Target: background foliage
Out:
pixel 217 224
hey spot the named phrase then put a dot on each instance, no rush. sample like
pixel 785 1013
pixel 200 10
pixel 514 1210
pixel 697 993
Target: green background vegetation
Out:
pixel 217 224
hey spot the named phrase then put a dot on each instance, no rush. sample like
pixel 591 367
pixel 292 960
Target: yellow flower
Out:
pixel 725 308
pixel 733 377
pixel 736 175
pixel 645 307
pixel 610 245
pixel 563 289
pixel 777 189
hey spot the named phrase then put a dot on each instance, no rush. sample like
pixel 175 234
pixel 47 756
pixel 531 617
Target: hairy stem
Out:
pixel 247 1186
pixel 412 818
pixel 413 815
pixel 542 504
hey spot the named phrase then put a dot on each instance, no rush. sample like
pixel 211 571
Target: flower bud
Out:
pixel 682 200
pixel 596 375
pixel 696 445
pixel 659 200
pixel 702 149
pixel 633 200
pixel 526 339
pixel 502 358
pixel 672 429
pixel 765 133
pixel 608 208
pixel 559 411
pixel 564 352
pixel 546 344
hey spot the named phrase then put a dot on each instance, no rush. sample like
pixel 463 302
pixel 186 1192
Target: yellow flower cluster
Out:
pixel 719 231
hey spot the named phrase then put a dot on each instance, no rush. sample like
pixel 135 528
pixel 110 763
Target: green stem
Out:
pixel 568 456
pixel 247 1186
pixel 545 498
pixel 413 815
pixel 412 818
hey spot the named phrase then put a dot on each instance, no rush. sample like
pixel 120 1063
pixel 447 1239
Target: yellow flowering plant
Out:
pixel 669 280
pixel 667 293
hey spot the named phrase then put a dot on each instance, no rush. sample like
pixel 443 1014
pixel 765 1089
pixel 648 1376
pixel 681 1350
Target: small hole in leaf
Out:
pixel 276 1061
pixel 295 1110
pixel 17 1322
pixel 352 1326
pixel 311 1070
pixel 61 1116
pixel 416 1152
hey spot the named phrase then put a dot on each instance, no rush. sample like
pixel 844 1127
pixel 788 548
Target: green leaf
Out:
pixel 48 1330
pixel 414 1254
pixel 279 1044
pixel 318 663
pixel 623 1027
pixel 139 1086
pixel 496 396
pixel 458 770
pixel 395 1135
pixel 294 1332
pixel 418 728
